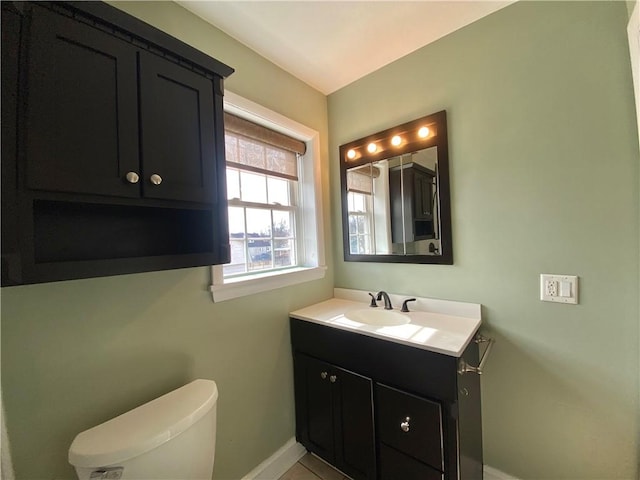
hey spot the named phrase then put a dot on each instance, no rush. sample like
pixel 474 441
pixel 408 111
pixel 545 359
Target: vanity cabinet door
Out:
pixel 318 422
pixel 334 415
pixel 353 420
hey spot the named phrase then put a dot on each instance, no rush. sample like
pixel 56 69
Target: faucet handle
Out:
pixel 373 300
pixel 404 304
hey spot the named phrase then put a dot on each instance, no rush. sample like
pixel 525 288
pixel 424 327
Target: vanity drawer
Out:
pixel 410 424
pixel 395 465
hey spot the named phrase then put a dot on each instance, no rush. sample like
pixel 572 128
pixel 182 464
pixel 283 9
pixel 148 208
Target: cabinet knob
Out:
pixel 155 179
pixel 323 375
pixel 404 426
pixel 132 177
pixel 333 378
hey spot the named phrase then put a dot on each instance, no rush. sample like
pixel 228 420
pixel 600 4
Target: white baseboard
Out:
pixel 277 464
pixel 286 457
pixel 491 473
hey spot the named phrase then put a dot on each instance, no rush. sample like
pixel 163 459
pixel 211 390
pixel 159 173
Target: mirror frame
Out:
pixel 437 124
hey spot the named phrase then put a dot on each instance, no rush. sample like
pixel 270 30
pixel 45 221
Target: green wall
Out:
pixel 77 353
pixel 544 174
pixel 545 179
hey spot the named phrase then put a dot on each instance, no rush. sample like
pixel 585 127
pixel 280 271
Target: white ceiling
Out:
pixel 329 44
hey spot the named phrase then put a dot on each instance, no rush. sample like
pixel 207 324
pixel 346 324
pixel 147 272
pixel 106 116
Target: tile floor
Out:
pixel 312 468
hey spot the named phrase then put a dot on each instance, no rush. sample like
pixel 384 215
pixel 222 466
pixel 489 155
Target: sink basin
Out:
pixel 376 316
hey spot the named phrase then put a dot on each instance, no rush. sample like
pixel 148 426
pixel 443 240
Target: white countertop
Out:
pixel 439 326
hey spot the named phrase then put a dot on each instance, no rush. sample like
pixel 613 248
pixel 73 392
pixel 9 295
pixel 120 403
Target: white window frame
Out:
pixel 369 235
pixel 311 255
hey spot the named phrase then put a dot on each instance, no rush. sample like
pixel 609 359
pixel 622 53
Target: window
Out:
pixel 262 191
pixel 273 191
pixel 360 189
pixel 368 209
pixel 360 222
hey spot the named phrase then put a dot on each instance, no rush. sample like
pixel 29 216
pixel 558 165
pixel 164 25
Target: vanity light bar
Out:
pixel 396 141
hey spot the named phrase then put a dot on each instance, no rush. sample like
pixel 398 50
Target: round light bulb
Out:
pixel 351 154
pixel 423 132
pixel 397 140
pixel 372 148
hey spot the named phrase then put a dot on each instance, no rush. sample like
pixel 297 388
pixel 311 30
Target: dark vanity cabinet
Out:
pixel 393 412
pixel 411 190
pixel 335 415
pixel 113 150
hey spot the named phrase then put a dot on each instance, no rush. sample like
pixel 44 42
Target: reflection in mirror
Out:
pixel 368 205
pixel 414 206
pixel 396 206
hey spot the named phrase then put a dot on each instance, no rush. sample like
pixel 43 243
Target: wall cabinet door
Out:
pixel 334 413
pixel 82 117
pixel 177 131
pixel 423 195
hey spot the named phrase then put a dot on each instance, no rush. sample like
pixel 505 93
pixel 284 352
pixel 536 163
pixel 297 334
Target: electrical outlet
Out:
pixel 551 288
pixel 559 288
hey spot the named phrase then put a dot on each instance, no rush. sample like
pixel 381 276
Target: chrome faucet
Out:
pixel 387 300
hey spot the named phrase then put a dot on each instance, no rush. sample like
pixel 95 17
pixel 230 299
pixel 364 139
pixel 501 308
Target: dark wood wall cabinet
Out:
pixel 376 409
pixel 412 188
pixel 112 146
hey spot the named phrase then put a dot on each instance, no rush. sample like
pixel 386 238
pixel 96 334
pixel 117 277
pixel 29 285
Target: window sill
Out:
pixel 241 287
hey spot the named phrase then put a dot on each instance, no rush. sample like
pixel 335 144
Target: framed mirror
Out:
pixel 395 194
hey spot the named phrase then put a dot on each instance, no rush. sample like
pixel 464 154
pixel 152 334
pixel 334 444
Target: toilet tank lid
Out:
pixel 145 427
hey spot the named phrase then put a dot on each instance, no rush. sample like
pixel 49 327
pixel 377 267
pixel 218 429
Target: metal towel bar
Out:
pixel 464 367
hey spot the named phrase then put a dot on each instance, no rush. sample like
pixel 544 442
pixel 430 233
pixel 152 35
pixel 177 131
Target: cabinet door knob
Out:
pixel 404 426
pixel 132 177
pixel 333 378
pixel 323 375
pixel 155 179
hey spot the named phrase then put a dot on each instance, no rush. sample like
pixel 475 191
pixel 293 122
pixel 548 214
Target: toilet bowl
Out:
pixel 171 437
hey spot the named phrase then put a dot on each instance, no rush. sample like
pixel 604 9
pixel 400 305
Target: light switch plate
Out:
pixel 559 288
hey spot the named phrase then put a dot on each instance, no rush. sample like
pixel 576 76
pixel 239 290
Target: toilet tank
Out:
pixel 171 437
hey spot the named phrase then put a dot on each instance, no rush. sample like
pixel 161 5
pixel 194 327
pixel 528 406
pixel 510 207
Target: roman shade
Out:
pixel 252 147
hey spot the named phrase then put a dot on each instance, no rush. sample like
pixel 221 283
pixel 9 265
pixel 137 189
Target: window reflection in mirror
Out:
pixel 396 208
pixel 368 209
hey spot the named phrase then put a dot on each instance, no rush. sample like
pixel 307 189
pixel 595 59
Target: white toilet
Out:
pixel 171 437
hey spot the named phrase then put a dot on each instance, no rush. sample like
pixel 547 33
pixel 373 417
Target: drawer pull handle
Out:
pixel 333 378
pixel 464 367
pixel 155 179
pixel 323 375
pixel 404 426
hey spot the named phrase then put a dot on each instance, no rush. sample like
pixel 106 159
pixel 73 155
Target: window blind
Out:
pixel 361 179
pixel 252 147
